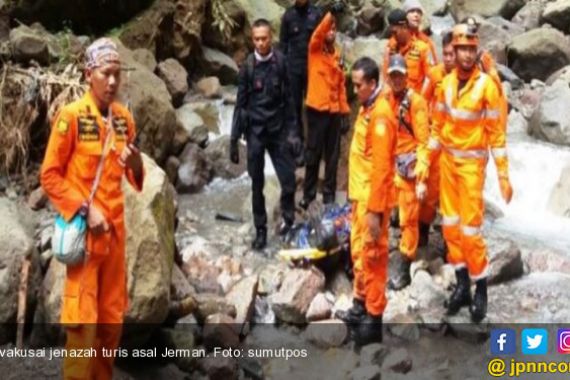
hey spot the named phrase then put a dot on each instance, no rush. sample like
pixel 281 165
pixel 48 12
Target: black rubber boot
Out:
pixel 424 235
pixel 353 315
pixel 369 331
pixel 260 239
pixel 401 278
pixel 478 308
pixel 461 296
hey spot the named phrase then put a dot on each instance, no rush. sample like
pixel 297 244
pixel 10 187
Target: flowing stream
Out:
pixel 535 168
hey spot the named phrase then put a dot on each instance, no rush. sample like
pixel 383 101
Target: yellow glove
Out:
pixel 506 188
pixel 421 191
pixel 421 171
pixel 502 164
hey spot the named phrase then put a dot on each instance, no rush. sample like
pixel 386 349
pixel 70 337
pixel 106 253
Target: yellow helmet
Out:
pixel 465 35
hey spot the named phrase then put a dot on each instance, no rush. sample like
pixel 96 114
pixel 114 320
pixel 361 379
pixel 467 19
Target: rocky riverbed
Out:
pixel 194 283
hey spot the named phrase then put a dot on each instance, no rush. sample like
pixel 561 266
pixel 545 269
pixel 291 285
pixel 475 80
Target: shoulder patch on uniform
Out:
pixel 62 126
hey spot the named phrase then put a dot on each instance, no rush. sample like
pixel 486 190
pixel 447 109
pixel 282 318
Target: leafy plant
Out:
pixel 222 20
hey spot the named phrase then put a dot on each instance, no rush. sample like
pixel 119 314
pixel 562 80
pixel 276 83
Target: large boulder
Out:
pixel 218 153
pixel 370 20
pixel 495 34
pixel 192 125
pixel 210 112
pixel 326 334
pixel 556 14
pixel 538 53
pixel 242 296
pixel 299 288
pixel 551 120
pixel 220 65
pixel 235 39
pixel 169 28
pixel 529 16
pixel 17 227
pixel 562 74
pixel 4 26
pixel 146 58
pixel 151 106
pixel 559 202
pixel 505 261
pixel 370 46
pixel 268 10
pixel 149 217
pixel 28 44
pixel 485 8
pixel 47 329
pixel 209 87
pixel 425 291
pixel 175 77
pixel 195 171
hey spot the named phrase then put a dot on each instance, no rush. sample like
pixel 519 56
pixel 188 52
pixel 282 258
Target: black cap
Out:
pixel 397 63
pixel 397 17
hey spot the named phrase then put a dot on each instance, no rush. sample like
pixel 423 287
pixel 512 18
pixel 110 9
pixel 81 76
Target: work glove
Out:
pixel 506 188
pixel 234 151
pixel 344 125
pixel 421 191
pixel 337 7
pixel 421 171
pixel 502 164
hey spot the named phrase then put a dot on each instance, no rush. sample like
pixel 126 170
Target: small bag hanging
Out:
pixel 69 238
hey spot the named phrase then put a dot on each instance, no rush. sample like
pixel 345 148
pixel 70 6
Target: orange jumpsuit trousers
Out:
pixel 95 296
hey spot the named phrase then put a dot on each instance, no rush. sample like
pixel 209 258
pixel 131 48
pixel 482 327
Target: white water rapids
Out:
pixel 535 168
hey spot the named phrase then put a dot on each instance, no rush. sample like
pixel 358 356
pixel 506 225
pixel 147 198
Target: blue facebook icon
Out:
pixel 503 342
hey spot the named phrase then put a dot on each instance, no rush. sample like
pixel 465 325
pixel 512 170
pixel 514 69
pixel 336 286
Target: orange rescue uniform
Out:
pixel 95 296
pixel 431 88
pixel 326 89
pixel 409 144
pixel 359 171
pixel 416 54
pixel 488 65
pixel 428 41
pixel 375 145
pixel 466 125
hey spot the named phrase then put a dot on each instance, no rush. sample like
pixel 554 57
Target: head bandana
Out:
pixel 100 52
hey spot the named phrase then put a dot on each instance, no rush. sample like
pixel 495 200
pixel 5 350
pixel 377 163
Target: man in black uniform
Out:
pixel 265 115
pixel 297 26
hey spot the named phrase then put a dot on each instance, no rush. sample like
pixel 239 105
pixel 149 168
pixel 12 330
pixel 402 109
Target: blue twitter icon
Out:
pixel 534 342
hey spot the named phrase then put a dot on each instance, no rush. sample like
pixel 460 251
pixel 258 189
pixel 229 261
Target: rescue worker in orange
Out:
pixel 94 296
pixel 466 126
pixel 432 86
pixel 368 89
pixel 327 110
pixel 414 13
pixel 488 65
pixel 411 111
pixel 371 179
pixel 415 51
